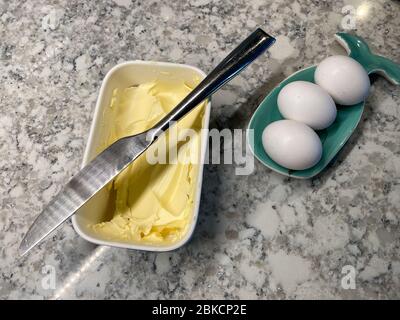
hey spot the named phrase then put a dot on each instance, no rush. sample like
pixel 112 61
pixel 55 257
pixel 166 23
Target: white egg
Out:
pixel 344 79
pixel 292 144
pixel 308 103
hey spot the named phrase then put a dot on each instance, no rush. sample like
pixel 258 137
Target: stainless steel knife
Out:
pixel 106 166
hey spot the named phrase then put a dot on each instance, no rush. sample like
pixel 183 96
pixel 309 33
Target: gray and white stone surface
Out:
pixel 262 236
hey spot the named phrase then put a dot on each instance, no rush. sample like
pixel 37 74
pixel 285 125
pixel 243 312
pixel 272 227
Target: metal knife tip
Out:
pixel 24 248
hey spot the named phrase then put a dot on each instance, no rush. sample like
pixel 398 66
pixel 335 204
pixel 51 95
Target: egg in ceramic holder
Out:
pixel 334 136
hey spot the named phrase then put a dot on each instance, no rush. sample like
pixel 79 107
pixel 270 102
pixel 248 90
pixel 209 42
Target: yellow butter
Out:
pixel 153 203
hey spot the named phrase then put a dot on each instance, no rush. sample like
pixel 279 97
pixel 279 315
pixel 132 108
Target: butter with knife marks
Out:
pixel 153 203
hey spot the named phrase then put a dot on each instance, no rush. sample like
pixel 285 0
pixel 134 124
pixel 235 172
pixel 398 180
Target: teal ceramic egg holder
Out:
pixel 348 117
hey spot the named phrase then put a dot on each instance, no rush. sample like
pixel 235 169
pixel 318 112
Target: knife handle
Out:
pixel 252 47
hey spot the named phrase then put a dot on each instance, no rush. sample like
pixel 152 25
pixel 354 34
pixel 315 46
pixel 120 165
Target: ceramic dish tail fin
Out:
pixel 358 49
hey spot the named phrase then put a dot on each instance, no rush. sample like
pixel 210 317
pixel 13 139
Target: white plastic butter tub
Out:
pixel 121 76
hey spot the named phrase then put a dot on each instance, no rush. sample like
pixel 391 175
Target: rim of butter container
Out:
pixel 204 142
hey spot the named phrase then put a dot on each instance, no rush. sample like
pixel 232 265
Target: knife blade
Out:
pixel 83 186
pixel 108 164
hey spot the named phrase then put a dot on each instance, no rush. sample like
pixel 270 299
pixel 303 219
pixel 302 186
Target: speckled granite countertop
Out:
pixel 259 236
